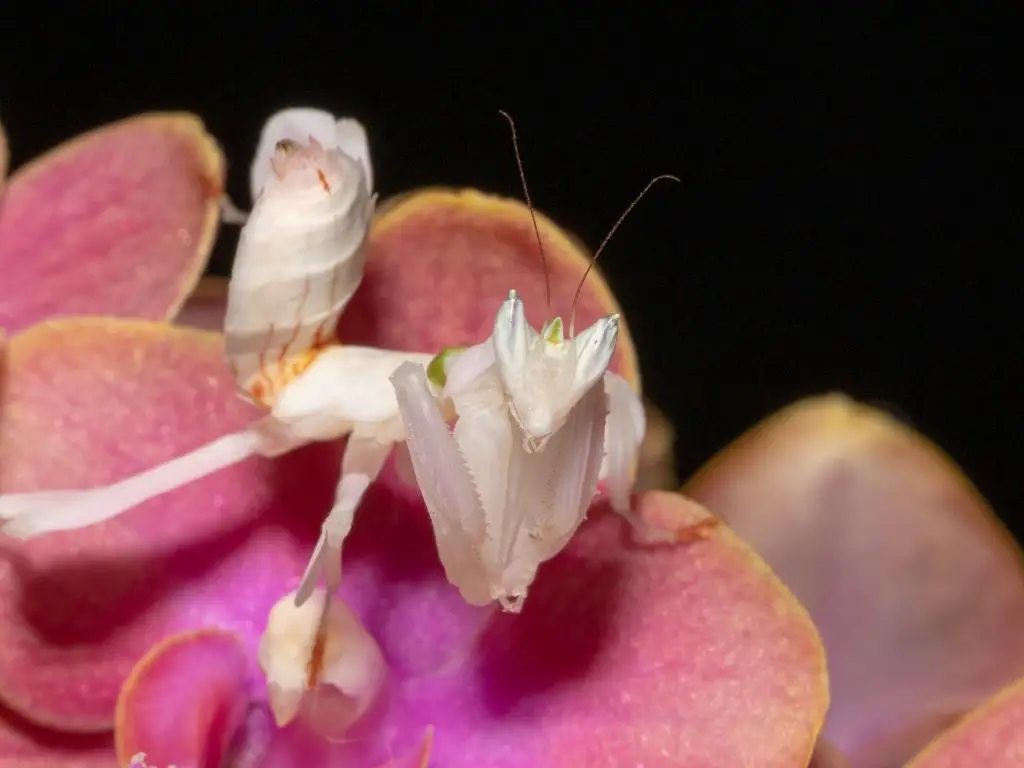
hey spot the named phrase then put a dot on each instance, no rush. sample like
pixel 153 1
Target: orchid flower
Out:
pixel 172 631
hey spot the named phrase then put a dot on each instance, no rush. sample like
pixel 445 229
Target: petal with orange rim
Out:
pixel 184 703
pixel 693 655
pixel 660 655
pixel 991 736
pixel 441 263
pixel 87 402
pixel 191 701
pixel 118 221
pixel 862 517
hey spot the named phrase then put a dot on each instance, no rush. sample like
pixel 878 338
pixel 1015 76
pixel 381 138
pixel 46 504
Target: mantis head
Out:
pixel 544 373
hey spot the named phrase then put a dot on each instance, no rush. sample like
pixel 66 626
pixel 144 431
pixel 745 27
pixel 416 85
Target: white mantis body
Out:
pixel 502 503
pixel 509 486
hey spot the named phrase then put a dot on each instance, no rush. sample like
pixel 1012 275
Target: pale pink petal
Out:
pixel 992 736
pixel 918 591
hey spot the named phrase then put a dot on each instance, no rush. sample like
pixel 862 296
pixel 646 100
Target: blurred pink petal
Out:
pixel 23 744
pixel 916 588
pixel 991 736
pixel 827 756
pixel 118 221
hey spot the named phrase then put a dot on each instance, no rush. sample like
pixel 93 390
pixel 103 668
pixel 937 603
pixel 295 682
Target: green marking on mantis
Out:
pixel 552 332
pixel 436 372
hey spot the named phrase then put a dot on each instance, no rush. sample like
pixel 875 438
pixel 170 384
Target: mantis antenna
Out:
pixel 593 261
pixel 529 204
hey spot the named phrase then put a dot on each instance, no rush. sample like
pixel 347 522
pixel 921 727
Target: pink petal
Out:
pixel 118 221
pixel 25 744
pixel 689 655
pixel 185 701
pixel 694 651
pixel 916 588
pixel 90 401
pixel 188 703
pixel 442 261
pixel 991 736
pixel 678 656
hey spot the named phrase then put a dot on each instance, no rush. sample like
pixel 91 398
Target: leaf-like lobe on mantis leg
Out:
pixel 298 123
pixel 300 258
pixel 319 659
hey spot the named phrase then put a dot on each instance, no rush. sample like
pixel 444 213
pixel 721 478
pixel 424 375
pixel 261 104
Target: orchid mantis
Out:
pixel 540 421
pixel 509 487
pixel 300 259
pixel 499 505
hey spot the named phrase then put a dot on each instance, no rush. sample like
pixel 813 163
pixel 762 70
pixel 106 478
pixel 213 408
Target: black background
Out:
pixel 843 222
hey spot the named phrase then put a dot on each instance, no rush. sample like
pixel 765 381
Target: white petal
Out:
pixel 444 480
